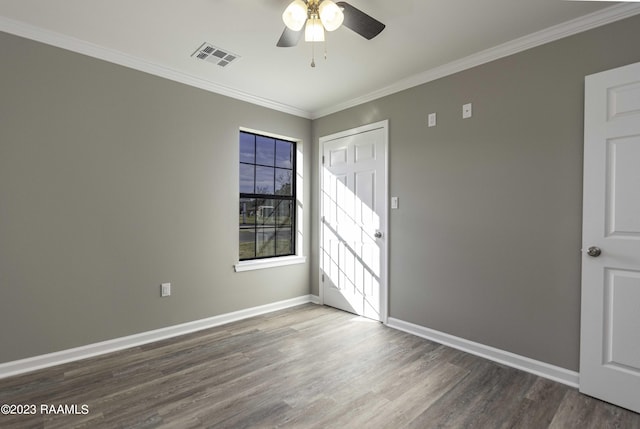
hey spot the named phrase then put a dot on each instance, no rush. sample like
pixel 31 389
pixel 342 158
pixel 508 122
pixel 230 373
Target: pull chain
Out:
pixel 313 52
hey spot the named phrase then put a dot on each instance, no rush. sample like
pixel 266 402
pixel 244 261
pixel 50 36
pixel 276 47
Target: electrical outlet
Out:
pixel 165 289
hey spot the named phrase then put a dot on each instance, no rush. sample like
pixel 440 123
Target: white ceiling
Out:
pixel 421 38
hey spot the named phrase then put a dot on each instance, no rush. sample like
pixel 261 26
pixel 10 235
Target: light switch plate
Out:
pixel 466 111
pixel 431 122
pixel 394 202
pixel 165 289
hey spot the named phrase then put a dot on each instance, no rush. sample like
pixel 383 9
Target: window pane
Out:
pixel 247 179
pixel 265 150
pixel 247 219
pixel 265 212
pixel 283 213
pixel 264 180
pixel 284 241
pixel 266 242
pixel 247 148
pixel 247 212
pixel 284 182
pixel 284 154
pixel 247 243
pixel 284 235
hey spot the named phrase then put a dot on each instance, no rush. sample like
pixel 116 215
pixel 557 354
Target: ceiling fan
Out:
pixel 318 16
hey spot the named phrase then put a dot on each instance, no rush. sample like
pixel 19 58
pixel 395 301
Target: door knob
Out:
pixel 594 251
pixel 378 234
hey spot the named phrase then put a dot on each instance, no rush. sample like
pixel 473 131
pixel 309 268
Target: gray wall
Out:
pixel 485 245
pixel 113 181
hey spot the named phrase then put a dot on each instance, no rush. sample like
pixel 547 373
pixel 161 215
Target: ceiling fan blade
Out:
pixel 358 21
pixel 289 38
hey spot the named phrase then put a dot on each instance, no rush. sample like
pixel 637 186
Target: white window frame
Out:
pixel 279 261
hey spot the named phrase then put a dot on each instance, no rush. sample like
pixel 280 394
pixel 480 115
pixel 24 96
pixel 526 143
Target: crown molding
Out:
pixel 560 31
pixel 575 26
pixel 73 44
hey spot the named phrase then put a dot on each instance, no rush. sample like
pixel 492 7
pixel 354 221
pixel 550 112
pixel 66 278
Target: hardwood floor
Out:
pixel 305 367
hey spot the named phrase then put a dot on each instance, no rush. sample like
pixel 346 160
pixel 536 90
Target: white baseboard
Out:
pixel 21 366
pixel 552 372
pixel 8 369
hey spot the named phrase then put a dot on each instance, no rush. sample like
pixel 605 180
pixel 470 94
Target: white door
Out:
pixel 610 325
pixel 353 243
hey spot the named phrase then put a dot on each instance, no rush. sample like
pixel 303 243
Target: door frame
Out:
pixel 384 278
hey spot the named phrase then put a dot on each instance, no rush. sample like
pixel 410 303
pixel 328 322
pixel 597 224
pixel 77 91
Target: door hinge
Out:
pixel 322 278
pixel 322 159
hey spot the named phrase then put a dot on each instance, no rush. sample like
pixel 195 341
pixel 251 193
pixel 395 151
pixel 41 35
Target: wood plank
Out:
pixel 304 367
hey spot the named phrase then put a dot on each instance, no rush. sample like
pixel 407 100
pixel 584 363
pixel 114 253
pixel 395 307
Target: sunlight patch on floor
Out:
pixel 363 319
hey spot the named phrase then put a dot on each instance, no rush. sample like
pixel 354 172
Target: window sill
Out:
pixel 259 264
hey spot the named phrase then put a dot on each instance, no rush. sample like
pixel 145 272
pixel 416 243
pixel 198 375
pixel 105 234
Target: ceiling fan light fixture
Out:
pixel 295 15
pixel 314 31
pixel 330 15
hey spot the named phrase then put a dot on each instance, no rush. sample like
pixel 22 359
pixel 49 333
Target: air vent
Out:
pixel 215 55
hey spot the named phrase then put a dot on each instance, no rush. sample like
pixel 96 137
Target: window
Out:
pixel 267 209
